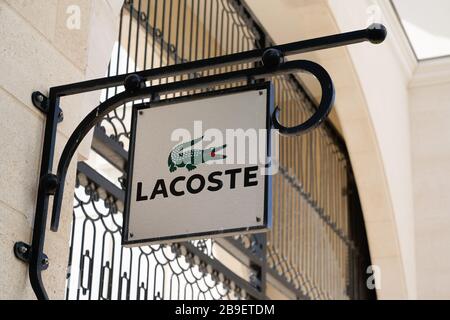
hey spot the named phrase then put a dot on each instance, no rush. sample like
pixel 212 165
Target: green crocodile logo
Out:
pixel 181 157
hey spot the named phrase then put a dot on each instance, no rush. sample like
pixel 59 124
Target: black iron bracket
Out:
pixel 273 63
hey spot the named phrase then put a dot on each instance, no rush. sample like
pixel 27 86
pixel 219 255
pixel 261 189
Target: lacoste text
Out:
pixel 197 183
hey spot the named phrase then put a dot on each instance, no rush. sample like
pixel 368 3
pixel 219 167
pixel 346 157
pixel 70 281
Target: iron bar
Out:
pixel 372 34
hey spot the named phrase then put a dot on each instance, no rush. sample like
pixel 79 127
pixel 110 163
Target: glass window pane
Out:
pixel 427 26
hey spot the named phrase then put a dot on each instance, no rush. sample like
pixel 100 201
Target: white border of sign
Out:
pixel 267 217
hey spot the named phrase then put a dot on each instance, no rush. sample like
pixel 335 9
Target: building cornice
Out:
pixel 431 72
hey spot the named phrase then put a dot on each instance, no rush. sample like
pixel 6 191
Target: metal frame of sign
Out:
pixel 273 63
pixel 267 217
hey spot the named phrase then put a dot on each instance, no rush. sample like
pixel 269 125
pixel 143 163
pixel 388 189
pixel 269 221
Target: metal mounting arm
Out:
pixel 273 63
pixel 375 33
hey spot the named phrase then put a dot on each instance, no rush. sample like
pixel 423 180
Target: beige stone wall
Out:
pixel 430 118
pixel 394 114
pixel 39 51
pixel 410 111
pixel 379 142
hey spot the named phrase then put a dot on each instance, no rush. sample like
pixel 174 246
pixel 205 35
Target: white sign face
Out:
pixel 198 167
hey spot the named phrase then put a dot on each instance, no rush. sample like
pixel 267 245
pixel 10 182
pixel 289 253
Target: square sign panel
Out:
pixel 198 167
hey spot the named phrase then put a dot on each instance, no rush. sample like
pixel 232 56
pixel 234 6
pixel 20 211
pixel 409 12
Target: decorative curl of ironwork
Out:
pixel 98 193
pixel 149 272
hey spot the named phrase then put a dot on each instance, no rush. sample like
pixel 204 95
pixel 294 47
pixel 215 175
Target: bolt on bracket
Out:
pixel 22 251
pixel 40 101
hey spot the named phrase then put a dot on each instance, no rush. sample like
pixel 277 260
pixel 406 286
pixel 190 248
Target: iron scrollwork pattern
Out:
pixel 317 248
pixel 100 268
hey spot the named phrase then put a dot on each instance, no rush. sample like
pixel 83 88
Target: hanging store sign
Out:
pixel 209 204
pixel 199 167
